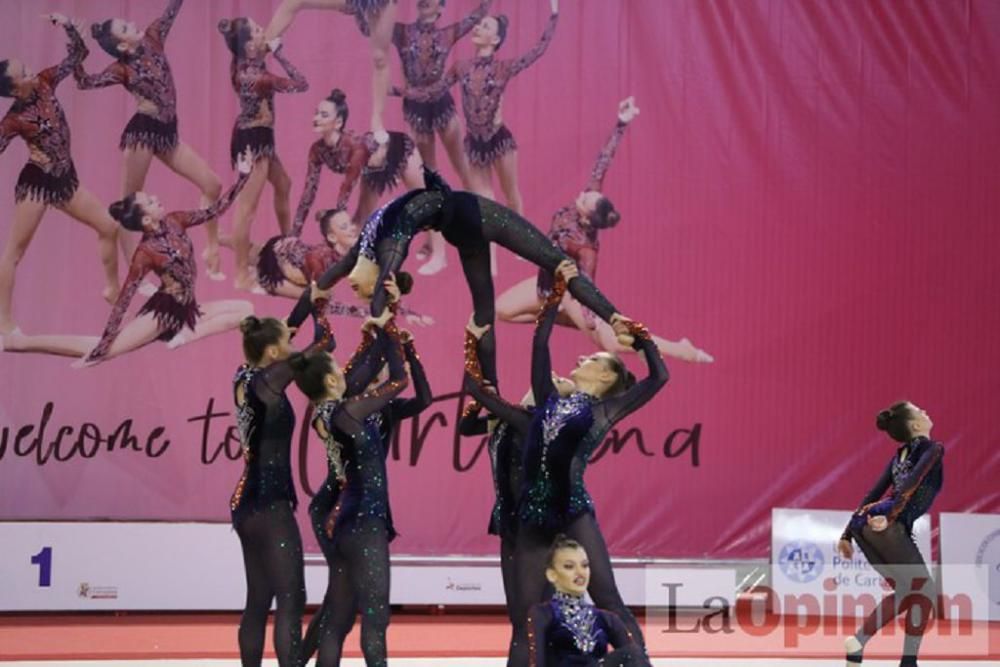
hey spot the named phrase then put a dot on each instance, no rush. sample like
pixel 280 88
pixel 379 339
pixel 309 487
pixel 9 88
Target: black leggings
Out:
pixel 895 556
pixel 358 558
pixel 272 556
pixel 508 550
pixel 471 223
pixel 530 559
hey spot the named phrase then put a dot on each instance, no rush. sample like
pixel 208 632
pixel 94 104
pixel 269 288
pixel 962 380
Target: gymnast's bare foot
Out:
pixel 685 350
pixel 110 293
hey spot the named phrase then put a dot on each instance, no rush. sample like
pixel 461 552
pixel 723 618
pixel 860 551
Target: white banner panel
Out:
pixel 101 566
pixel 700 588
pixel 805 562
pixel 199 566
pixel 970 556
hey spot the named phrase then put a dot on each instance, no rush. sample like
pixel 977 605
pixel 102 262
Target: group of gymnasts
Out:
pixel 551 547
pixel 552 550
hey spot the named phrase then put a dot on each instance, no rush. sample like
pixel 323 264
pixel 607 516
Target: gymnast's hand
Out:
pixel 564 386
pixel 627 110
pixel 392 289
pixel 83 363
pixel 379 321
pixel 845 549
pixel 878 523
pixel 419 320
pixel 555 6
pixel 317 294
pixel 244 163
pixel 568 270
pixel 620 324
pixel 56 19
pixel 476 330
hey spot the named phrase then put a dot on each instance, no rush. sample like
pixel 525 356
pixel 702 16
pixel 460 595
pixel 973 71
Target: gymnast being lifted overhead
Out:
pixel 470 223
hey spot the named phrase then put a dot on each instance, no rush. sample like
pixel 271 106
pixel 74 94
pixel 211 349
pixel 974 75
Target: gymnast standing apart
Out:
pixel 423 48
pixel 489 144
pixel 563 435
pixel 882 527
pixel 470 223
pixel 254 129
pixel 574 229
pixel 353 519
pixel 49 178
pixel 263 504
pixel 172 314
pixel 141 67
pixel 568 631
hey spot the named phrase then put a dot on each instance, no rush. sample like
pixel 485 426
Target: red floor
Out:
pixel 420 634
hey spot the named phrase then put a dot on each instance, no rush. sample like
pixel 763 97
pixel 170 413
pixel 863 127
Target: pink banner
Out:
pixel 810 194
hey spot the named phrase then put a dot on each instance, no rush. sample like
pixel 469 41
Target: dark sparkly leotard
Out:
pixel 265 420
pixel 169 254
pixel 512 423
pixel 568 631
pixel 916 475
pixel 567 429
pixel 364 492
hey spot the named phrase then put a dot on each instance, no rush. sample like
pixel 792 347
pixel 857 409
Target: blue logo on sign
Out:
pixel 801 562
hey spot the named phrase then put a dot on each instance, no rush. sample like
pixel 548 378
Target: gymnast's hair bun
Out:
pixel 225 26
pixel 337 96
pixel 249 325
pixel 298 362
pixel 884 420
pixel 117 209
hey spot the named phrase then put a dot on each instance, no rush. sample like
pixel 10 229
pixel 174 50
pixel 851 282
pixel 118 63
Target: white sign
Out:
pixel 698 588
pixel 112 565
pixel 199 566
pixel 805 565
pixel 970 560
